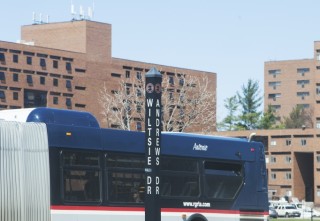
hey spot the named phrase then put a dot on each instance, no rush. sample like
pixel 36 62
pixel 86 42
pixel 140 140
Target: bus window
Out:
pixel 179 177
pixel 222 180
pixel 126 178
pixel 72 158
pixel 179 164
pixel 179 185
pixel 81 177
pixel 125 161
pixel 126 187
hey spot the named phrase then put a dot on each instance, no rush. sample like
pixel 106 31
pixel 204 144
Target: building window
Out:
pixel 68 66
pixel 273 142
pixel 68 84
pixel 171 80
pixel 138 92
pixel 273 176
pixel 139 75
pixel 55 82
pixel 80 105
pixel 274 84
pixel 55 100
pixel 318 89
pixel 29 60
pixel 139 108
pixel 80 70
pixel 170 96
pixel 181 81
pixel 288 159
pixel 55 64
pixel 42 62
pixel 127 74
pixel 116 75
pixel 318 158
pixel 2 95
pixel 318 123
pixel 127 90
pixel 68 102
pixel 15 95
pixel 273 159
pixel 274 72
pixel 305 106
pixel 276 107
pixel 274 96
pixel 29 79
pixel 15 58
pixel 2 57
pixel 139 127
pixel 42 80
pixel 318 55
pixel 303 142
pixel 2 77
pixel 15 77
pixel 288 142
pixel 288 176
pixel 302 71
pixel 33 98
pixel 302 83
pixel 302 94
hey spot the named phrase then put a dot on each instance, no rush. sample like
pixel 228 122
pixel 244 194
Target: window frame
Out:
pixel 85 167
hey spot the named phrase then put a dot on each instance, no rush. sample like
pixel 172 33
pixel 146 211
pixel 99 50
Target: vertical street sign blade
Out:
pixel 152 144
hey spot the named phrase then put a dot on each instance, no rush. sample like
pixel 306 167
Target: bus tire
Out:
pixel 197 217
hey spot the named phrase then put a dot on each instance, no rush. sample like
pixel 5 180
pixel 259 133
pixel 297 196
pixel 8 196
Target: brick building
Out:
pixel 292 155
pixel 294 82
pixel 64 65
pixel 293 161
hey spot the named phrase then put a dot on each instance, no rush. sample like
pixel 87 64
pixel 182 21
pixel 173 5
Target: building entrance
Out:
pixel 304 176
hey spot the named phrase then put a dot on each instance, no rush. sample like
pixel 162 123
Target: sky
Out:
pixel 232 38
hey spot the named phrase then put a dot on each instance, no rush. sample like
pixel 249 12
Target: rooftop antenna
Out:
pixel 73 12
pixel 39 21
pixel 40 18
pixel 81 13
pixel 89 13
pixel 92 9
pixel 34 17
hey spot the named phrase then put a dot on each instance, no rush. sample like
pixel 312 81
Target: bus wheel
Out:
pixel 197 217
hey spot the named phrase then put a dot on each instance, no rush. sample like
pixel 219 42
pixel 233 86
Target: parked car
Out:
pixel 306 211
pixel 287 211
pixel 272 212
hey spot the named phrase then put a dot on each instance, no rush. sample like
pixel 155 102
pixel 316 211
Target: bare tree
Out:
pixel 120 107
pixel 188 104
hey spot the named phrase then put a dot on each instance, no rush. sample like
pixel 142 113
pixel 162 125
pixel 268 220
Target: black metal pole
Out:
pixel 152 145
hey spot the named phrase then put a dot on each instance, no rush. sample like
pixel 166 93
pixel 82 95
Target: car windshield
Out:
pixel 290 207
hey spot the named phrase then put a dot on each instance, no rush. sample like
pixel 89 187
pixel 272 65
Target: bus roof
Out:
pixel 50 116
pixel 76 129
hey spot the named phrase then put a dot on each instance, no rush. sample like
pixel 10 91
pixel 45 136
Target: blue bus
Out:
pixel 73 170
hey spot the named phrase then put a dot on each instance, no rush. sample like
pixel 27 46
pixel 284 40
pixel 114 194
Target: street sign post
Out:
pixel 152 144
